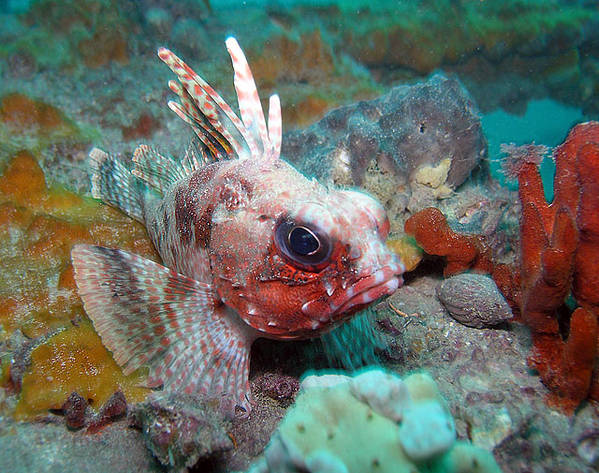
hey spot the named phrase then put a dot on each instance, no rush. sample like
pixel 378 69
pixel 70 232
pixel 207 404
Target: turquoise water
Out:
pixel 543 123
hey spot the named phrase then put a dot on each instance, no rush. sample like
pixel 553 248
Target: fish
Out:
pixel 250 247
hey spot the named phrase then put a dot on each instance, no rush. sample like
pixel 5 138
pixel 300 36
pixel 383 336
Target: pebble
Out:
pixel 474 300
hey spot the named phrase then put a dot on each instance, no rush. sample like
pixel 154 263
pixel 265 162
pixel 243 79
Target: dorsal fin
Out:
pixel 160 172
pixel 221 132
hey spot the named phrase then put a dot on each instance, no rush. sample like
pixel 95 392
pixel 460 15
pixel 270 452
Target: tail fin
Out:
pixel 113 183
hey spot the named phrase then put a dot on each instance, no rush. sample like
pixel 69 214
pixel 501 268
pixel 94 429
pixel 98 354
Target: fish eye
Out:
pixel 303 241
pixel 302 245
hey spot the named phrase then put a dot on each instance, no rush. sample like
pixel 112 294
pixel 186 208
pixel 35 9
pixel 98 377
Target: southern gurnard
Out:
pixel 251 248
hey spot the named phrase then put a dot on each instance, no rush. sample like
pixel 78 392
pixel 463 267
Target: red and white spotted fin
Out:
pixel 149 315
pixel 213 138
pixel 204 109
pixel 275 126
pixel 265 142
pixel 221 132
pixel 159 172
pixel 247 96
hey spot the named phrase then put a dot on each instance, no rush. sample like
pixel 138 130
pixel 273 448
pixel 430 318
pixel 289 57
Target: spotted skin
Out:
pixel 218 218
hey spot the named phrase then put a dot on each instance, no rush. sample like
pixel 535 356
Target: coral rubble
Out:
pixel 180 429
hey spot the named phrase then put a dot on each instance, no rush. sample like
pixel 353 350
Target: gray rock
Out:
pixel 474 300
pixel 50 448
pixel 410 127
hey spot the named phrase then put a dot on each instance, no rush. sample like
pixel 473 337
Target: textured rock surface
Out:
pixel 429 132
pixel 474 300
pixel 180 429
pixel 51 448
pixel 409 127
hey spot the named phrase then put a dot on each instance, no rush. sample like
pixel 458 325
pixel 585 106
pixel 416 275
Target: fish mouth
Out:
pixel 382 282
pixel 367 289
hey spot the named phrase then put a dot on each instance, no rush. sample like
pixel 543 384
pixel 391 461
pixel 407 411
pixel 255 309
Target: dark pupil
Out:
pixel 302 241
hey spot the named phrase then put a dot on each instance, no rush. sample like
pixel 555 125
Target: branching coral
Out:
pixel 560 254
pixel 559 257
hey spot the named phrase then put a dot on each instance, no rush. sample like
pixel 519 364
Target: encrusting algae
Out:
pixel 38 227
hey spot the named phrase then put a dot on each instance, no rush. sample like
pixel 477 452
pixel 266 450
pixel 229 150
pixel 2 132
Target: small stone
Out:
pixel 588 448
pixel 180 429
pixel 74 409
pixel 113 409
pixel 279 387
pixel 474 300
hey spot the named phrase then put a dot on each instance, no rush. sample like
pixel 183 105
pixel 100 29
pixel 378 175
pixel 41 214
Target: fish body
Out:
pixel 251 247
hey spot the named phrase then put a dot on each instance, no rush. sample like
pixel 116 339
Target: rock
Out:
pixel 74 410
pixel 588 447
pixel 50 448
pixel 474 300
pixel 278 387
pixel 180 429
pixel 113 409
pixel 410 127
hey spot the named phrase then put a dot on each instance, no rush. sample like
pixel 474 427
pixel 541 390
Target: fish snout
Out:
pixel 369 287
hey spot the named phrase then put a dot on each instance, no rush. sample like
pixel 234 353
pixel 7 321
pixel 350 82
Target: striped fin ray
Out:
pixel 149 315
pixel 268 139
pixel 209 103
pixel 160 172
pixel 210 136
pixel 112 182
pixel 275 127
pixel 194 157
pixel 247 96
pixel 220 130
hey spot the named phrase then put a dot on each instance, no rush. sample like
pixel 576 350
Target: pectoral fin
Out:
pixel 149 315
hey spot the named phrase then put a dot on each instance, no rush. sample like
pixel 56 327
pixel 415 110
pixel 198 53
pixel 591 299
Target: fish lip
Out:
pixel 369 293
pixel 380 283
pixel 368 288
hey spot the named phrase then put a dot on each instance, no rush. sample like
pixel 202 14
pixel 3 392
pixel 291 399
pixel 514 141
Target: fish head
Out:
pixel 304 258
